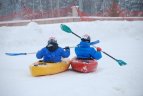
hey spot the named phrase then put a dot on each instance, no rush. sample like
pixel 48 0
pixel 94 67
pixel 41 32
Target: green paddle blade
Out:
pixel 121 62
pixel 66 28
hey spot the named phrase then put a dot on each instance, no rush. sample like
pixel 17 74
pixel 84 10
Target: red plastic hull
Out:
pixel 84 66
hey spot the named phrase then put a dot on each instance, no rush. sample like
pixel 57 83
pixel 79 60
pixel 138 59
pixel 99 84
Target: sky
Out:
pixel 121 39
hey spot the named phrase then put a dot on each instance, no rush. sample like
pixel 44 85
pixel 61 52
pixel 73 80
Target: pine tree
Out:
pixel 114 10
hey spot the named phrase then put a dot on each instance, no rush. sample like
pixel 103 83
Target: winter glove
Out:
pixel 98 49
pixel 67 47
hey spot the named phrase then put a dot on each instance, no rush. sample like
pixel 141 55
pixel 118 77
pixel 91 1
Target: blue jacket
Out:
pixel 55 56
pixel 83 50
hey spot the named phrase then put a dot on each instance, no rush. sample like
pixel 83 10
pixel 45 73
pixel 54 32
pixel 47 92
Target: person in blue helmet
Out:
pixel 85 52
pixel 52 53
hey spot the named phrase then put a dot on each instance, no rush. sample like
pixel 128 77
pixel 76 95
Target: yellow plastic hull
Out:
pixel 41 68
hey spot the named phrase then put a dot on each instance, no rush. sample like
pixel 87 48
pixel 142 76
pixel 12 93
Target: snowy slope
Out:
pixel 121 39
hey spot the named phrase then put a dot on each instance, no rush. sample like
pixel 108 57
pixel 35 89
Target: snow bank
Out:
pixel 121 39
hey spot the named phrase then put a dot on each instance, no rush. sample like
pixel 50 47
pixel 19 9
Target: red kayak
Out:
pixel 84 66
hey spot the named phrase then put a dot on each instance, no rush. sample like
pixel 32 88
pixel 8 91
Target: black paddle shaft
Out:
pixel 76 35
pixel 109 55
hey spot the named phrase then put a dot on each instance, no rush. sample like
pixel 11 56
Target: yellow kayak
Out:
pixel 42 68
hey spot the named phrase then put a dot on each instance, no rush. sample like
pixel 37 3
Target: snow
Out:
pixel 121 39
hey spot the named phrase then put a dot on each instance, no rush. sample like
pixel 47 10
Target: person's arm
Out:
pixel 40 54
pixel 66 52
pixel 96 54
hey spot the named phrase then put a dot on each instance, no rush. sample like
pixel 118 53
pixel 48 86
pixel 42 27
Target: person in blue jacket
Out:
pixel 52 53
pixel 84 51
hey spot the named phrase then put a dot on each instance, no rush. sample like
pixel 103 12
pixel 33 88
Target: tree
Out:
pixel 0 5
pixel 114 10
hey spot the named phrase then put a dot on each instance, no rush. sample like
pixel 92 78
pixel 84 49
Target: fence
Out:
pixel 58 8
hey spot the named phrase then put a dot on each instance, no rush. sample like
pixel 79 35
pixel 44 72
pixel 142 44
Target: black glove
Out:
pixel 67 47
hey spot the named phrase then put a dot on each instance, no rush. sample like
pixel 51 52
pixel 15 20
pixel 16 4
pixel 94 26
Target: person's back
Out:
pixel 84 51
pixel 52 52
